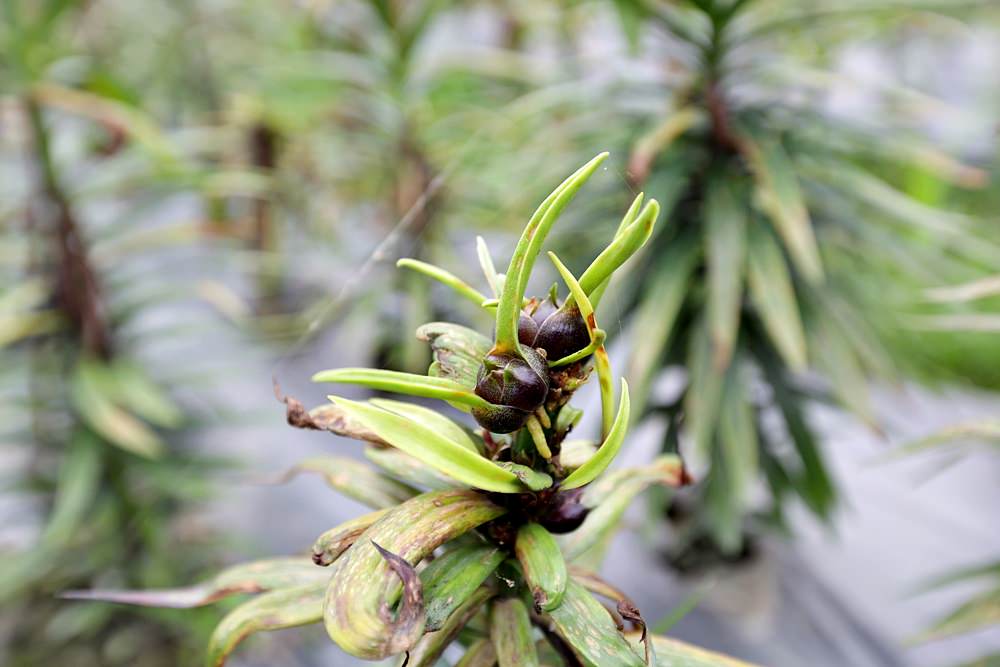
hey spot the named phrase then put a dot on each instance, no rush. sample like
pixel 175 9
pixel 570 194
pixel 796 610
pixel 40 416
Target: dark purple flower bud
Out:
pixel 516 384
pixel 562 333
pixel 566 513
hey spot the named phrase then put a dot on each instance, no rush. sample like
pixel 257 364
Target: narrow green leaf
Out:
pixel 428 651
pixel 458 351
pixel 431 419
pixel 450 579
pixel 486 264
pixel 608 450
pixel 701 400
pixel 531 478
pixel 329 546
pixel 76 489
pixel 138 393
pixel 959 435
pixel 844 370
pixel 674 653
pixel 621 248
pixel 363 585
pixel 355 480
pixel 774 297
pixel 444 277
pixel 980 612
pixel 738 436
pixel 479 654
pixel 277 610
pixel 510 632
pixel 543 565
pixel 94 402
pixel 527 250
pixel 725 243
pixel 780 196
pixel 586 626
pixel 255 577
pixel 404 383
pixel 433 448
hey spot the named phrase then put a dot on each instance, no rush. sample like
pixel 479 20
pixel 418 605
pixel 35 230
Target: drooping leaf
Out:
pixel 277 610
pixel 451 579
pixel 433 448
pixel 725 243
pixel 608 450
pixel 458 351
pixel 780 195
pixel 355 480
pixel 255 577
pixel 510 632
pixel 774 297
pixel 363 587
pixel 585 625
pixel 543 565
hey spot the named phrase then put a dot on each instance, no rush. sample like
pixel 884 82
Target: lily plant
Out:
pixel 485 539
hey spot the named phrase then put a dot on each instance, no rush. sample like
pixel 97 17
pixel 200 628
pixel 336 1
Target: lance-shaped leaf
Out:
pixel 666 469
pixel 986 431
pixel 738 436
pixel 980 612
pixel 608 450
pixel 431 419
pixel 458 351
pixel 542 564
pixel 527 249
pixel 444 277
pixel 510 632
pixel 432 645
pixel 621 248
pixel 409 469
pixel 404 383
pixel 486 264
pixel 256 577
pixel 451 579
pixel 330 545
pixel 772 293
pixel 631 214
pixel 725 242
pixel 94 398
pixel 780 196
pixel 585 625
pixel 701 400
pixel 479 654
pixel 363 587
pixel 354 479
pixel 673 653
pixel 433 448
pixel 277 610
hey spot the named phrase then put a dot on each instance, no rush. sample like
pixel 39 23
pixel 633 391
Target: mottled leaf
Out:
pixel 363 589
pixel 334 542
pixel 673 653
pixel 585 625
pixel 458 351
pixel 542 564
pixel 452 577
pixel 510 632
pixel 531 478
pixel 432 645
pixel 354 479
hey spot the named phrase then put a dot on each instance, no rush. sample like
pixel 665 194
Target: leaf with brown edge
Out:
pixel 450 579
pixel 354 479
pixel 510 632
pixel 458 351
pixel 543 565
pixel 255 577
pixel 277 610
pixel 432 645
pixel 325 418
pixel 363 588
pixel 585 625
pixel 630 612
pixel 334 542
pixel 410 610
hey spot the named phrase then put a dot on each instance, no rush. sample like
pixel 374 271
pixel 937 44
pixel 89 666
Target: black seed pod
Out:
pixel 516 384
pixel 566 513
pixel 562 333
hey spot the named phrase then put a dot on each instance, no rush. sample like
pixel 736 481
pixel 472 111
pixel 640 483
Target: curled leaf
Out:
pixel 510 632
pixel 363 587
pixel 608 450
pixel 277 610
pixel 324 418
pixel 256 577
pixel 543 565
pixel 331 544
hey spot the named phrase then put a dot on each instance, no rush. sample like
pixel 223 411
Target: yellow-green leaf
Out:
pixel 543 565
pixel 608 450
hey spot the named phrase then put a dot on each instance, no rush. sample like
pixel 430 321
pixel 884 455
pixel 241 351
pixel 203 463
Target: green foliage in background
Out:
pixel 92 467
pixel 485 538
pixel 796 253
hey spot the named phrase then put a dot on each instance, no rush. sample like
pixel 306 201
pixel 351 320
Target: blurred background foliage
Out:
pixel 173 169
